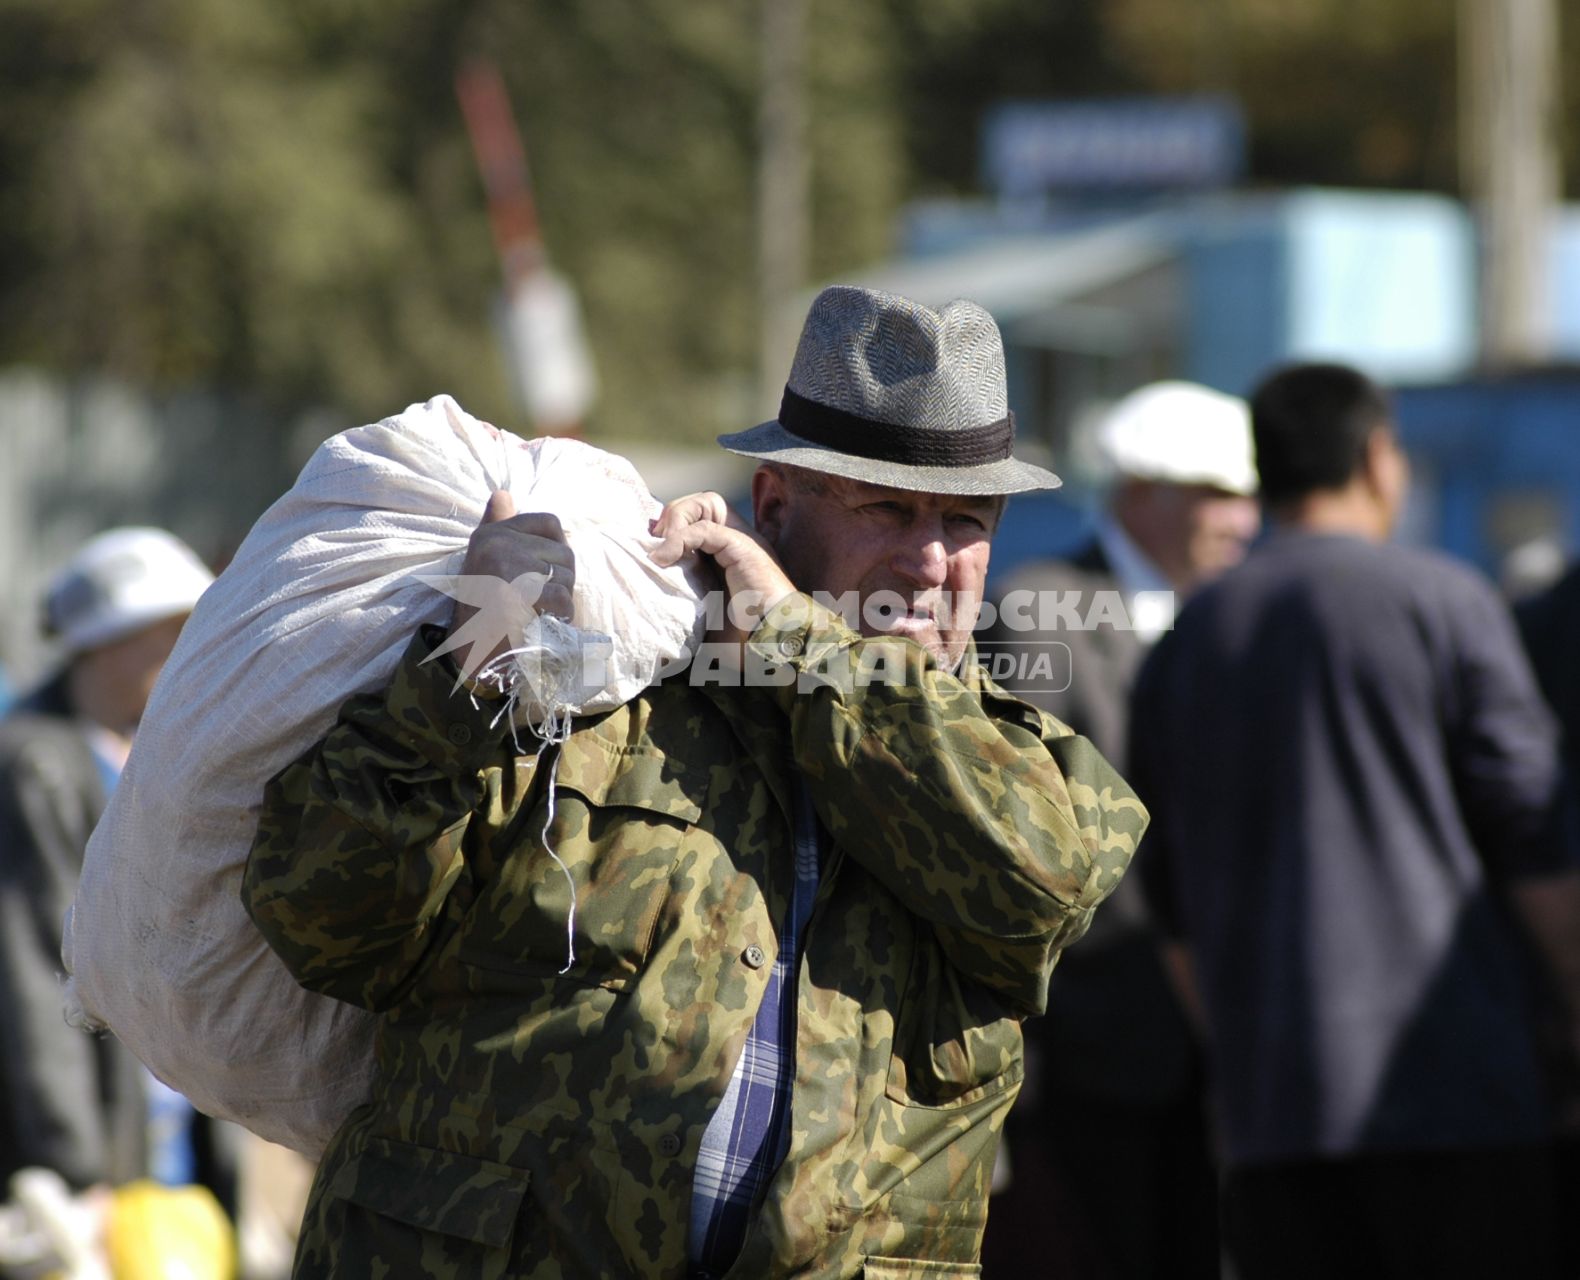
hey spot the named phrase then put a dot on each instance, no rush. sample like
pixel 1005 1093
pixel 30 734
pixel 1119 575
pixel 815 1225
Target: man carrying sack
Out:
pixel 768 1021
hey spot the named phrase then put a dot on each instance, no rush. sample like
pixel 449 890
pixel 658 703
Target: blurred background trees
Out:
pixel 279 199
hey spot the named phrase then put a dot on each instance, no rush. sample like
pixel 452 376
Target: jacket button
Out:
pixel 755 956
pixel 790 646
pixel 460 734
pixel 669 1145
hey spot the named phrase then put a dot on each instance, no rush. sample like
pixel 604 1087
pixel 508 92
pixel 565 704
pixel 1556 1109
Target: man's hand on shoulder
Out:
pixel 703 522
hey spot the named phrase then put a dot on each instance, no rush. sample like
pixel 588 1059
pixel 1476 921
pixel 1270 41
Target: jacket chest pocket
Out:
pixel 580 878
pixel 953 1043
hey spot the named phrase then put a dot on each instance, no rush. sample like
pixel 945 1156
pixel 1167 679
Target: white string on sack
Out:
pixel 543 666
pixel 543 678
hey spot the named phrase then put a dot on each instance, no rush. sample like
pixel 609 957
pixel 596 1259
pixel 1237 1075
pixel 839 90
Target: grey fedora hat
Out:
pixel 888 391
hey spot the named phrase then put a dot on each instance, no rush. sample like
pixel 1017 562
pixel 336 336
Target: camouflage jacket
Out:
pixel 529 1122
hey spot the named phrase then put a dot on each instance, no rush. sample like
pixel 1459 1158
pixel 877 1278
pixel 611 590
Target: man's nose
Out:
pixel 925 564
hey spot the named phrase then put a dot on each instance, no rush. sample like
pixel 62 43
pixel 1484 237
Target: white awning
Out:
pixel 1022 275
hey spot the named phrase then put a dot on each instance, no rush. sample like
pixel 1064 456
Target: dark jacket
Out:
pixel 1114 1029
pixel 69 1101
pixel 1348 759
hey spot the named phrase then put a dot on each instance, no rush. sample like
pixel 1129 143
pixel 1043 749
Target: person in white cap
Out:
pixel 70 1102
pixel 1181 510
pixel 1109 1124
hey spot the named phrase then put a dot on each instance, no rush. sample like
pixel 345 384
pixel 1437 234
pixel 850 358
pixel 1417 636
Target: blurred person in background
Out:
pixel 1110 1125
pixel 73 1103
pixel 1549 623
pixel 1358 809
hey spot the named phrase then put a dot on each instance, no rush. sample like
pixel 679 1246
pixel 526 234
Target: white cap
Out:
pixel 1181 433
pixel 121 582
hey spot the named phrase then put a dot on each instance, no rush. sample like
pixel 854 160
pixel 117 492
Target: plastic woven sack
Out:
pixel 319 604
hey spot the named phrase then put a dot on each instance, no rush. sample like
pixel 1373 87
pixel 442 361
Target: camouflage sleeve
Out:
pixel 359 845
pixel 994 824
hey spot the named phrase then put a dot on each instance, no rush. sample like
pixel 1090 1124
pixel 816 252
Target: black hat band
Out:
pixel 850 433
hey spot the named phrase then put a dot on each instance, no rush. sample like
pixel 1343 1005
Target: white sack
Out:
pixel 319 604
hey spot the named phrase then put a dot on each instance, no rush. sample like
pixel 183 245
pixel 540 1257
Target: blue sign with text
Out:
pixel 1032 148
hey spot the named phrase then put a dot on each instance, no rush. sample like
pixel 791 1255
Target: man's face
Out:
pixel 1192 532
pixel 118 678
pixel 1218 527
pixel 926 553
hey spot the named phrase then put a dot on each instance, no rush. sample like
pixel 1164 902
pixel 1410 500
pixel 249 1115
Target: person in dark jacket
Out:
pixel 77 1104
pixel 1107 1148
pixel 1358 844
pixel 1549 623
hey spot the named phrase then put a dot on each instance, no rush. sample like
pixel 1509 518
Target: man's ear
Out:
pixel 1386 473
pixel 1379 460
pixel 769 497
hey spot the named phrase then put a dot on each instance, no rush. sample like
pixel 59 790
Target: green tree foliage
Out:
pixel 195 201
pixel 281 197
pixel 960 58
pixel 1340 92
